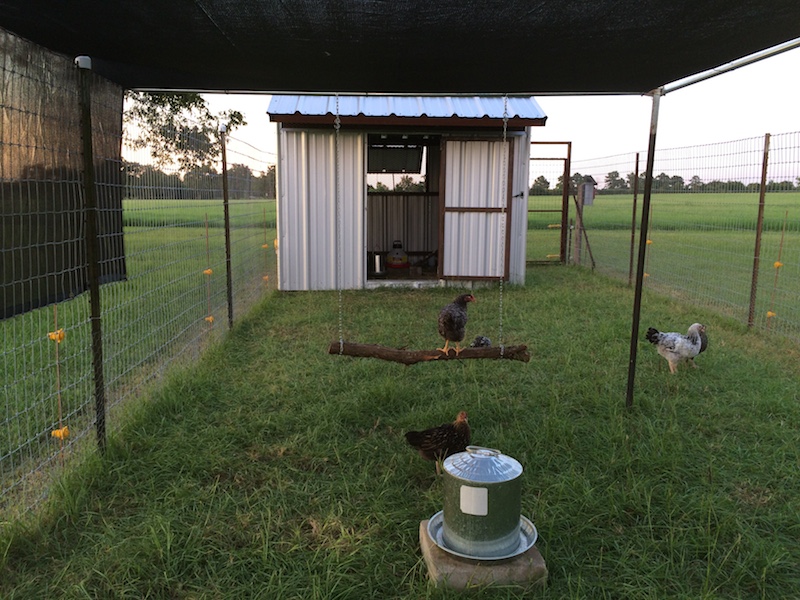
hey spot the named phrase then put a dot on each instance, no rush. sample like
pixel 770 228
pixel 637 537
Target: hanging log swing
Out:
pixel 411 357
pixel 402 355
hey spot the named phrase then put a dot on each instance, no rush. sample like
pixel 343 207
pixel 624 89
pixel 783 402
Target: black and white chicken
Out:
pixel 676 347
pixel 453 322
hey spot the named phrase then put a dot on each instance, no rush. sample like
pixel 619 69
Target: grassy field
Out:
pixel 702 249
pixel 274 470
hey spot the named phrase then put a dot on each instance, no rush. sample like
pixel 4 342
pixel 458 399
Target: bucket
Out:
pixel 482 503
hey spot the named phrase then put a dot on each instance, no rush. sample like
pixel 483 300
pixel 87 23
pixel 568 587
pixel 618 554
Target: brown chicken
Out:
pixel 453 322
pixel 437 443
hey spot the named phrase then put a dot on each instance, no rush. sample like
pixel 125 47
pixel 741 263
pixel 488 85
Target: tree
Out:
pixel 614 182
pixel 631 179
pixel 177 128
pixel 540 187
pixel 406 184
pixel 695 184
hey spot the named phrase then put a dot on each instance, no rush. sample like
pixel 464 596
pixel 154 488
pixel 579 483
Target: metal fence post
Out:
pixel 751 315
pixel 84 64
pixel 633 220
pixel 228 274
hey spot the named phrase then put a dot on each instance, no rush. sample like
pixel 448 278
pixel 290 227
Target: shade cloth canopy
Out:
pixel 404 46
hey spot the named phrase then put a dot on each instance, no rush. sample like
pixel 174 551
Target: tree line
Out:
pixel 148 182
pixel 615 184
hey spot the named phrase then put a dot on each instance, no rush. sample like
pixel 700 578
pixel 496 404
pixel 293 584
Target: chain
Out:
pixel 337 125
pixel 503 221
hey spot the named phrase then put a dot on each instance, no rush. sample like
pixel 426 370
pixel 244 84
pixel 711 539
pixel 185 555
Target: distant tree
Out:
pixel 631 179
pixel 575 181
pixel 782 186
pixel 695 184
pixel 150 183
pixel 540 187
pixel 614 183
pixel 203 182
pixel 176 128
pixel 270 182
pixel 240 181
pixel 378 187
pixel 406 184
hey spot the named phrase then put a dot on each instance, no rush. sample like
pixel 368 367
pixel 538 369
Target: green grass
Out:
pixel 153 317
pixel 274 470
pixel 702 249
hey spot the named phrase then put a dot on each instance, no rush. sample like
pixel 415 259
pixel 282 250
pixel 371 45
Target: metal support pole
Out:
pixel 227 215
pixel 633 219
pixel 565 204
pixel 751 314
pixel 637 298
pixel 84 64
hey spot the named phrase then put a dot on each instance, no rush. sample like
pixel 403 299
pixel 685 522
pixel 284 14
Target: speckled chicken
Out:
pixel 676 347
pixel 453 322
pixel 437 443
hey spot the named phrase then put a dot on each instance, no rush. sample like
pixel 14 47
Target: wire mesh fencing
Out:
pixel 180 250
pixel 724 229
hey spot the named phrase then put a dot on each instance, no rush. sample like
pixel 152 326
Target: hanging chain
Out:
pixel 503 220
pixel 337 125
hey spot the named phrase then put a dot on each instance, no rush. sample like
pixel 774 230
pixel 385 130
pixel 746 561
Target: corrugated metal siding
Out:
pixel 412 219
pixel 519 208
pixel 307 199
pixel 466 107
pixel 475 178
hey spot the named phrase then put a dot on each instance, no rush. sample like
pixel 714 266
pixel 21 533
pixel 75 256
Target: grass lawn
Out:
pixel 271 469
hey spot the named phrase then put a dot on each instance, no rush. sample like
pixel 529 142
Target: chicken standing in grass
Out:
pixel 453 322
pixel 676 347
pixel 437 443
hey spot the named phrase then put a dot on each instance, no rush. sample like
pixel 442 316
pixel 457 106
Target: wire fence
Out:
pixel 724 225
pixel 162 267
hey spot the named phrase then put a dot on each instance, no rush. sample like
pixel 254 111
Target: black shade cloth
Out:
pixel 42 249
pixel 404 46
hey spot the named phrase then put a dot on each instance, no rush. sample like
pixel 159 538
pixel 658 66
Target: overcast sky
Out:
pixel 760 98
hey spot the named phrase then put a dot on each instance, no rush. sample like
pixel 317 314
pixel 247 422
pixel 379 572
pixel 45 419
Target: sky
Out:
pixel 750 101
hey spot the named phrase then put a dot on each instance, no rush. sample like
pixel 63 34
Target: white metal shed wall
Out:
pixel 307 203
pixel 519 207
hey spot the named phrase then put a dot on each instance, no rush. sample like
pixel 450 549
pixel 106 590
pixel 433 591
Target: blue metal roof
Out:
pixel 462 107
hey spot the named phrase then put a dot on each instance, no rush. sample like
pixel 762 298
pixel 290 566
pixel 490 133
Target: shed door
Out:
pixel 474 242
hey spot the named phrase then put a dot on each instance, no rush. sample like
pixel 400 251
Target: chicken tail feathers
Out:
pixel 415 438
pixel 652 335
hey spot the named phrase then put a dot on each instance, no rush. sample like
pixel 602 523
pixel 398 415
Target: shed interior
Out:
pixel 403 222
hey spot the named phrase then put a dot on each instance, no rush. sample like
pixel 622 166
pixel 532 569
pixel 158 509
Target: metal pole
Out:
pixel 565 204
pixel 633 219
pixel 637 297
pixel 751 315
pixel 84 64
pixel 227 215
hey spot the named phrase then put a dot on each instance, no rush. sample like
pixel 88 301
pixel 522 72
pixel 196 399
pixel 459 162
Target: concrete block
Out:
pixel 444 569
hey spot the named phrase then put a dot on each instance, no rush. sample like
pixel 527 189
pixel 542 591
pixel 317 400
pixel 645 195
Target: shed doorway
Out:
pixel 403 215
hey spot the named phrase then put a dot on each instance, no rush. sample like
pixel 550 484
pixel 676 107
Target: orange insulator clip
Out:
pixel 61 434
pixel 207 272
pixel 777 264
pixel 210 318
pixel 57 336
pixel 770 314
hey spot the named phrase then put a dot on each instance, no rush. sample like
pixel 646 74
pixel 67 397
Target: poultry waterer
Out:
pixel 481 518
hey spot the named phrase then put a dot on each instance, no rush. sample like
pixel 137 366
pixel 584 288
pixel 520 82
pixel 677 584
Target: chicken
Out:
pixel 453 322
pixel 437 443
pixel 676 347
pixel 481 341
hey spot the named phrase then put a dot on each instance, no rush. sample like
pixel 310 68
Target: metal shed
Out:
pixel 469 223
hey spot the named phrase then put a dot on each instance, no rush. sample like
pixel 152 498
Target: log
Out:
pixel 411 357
